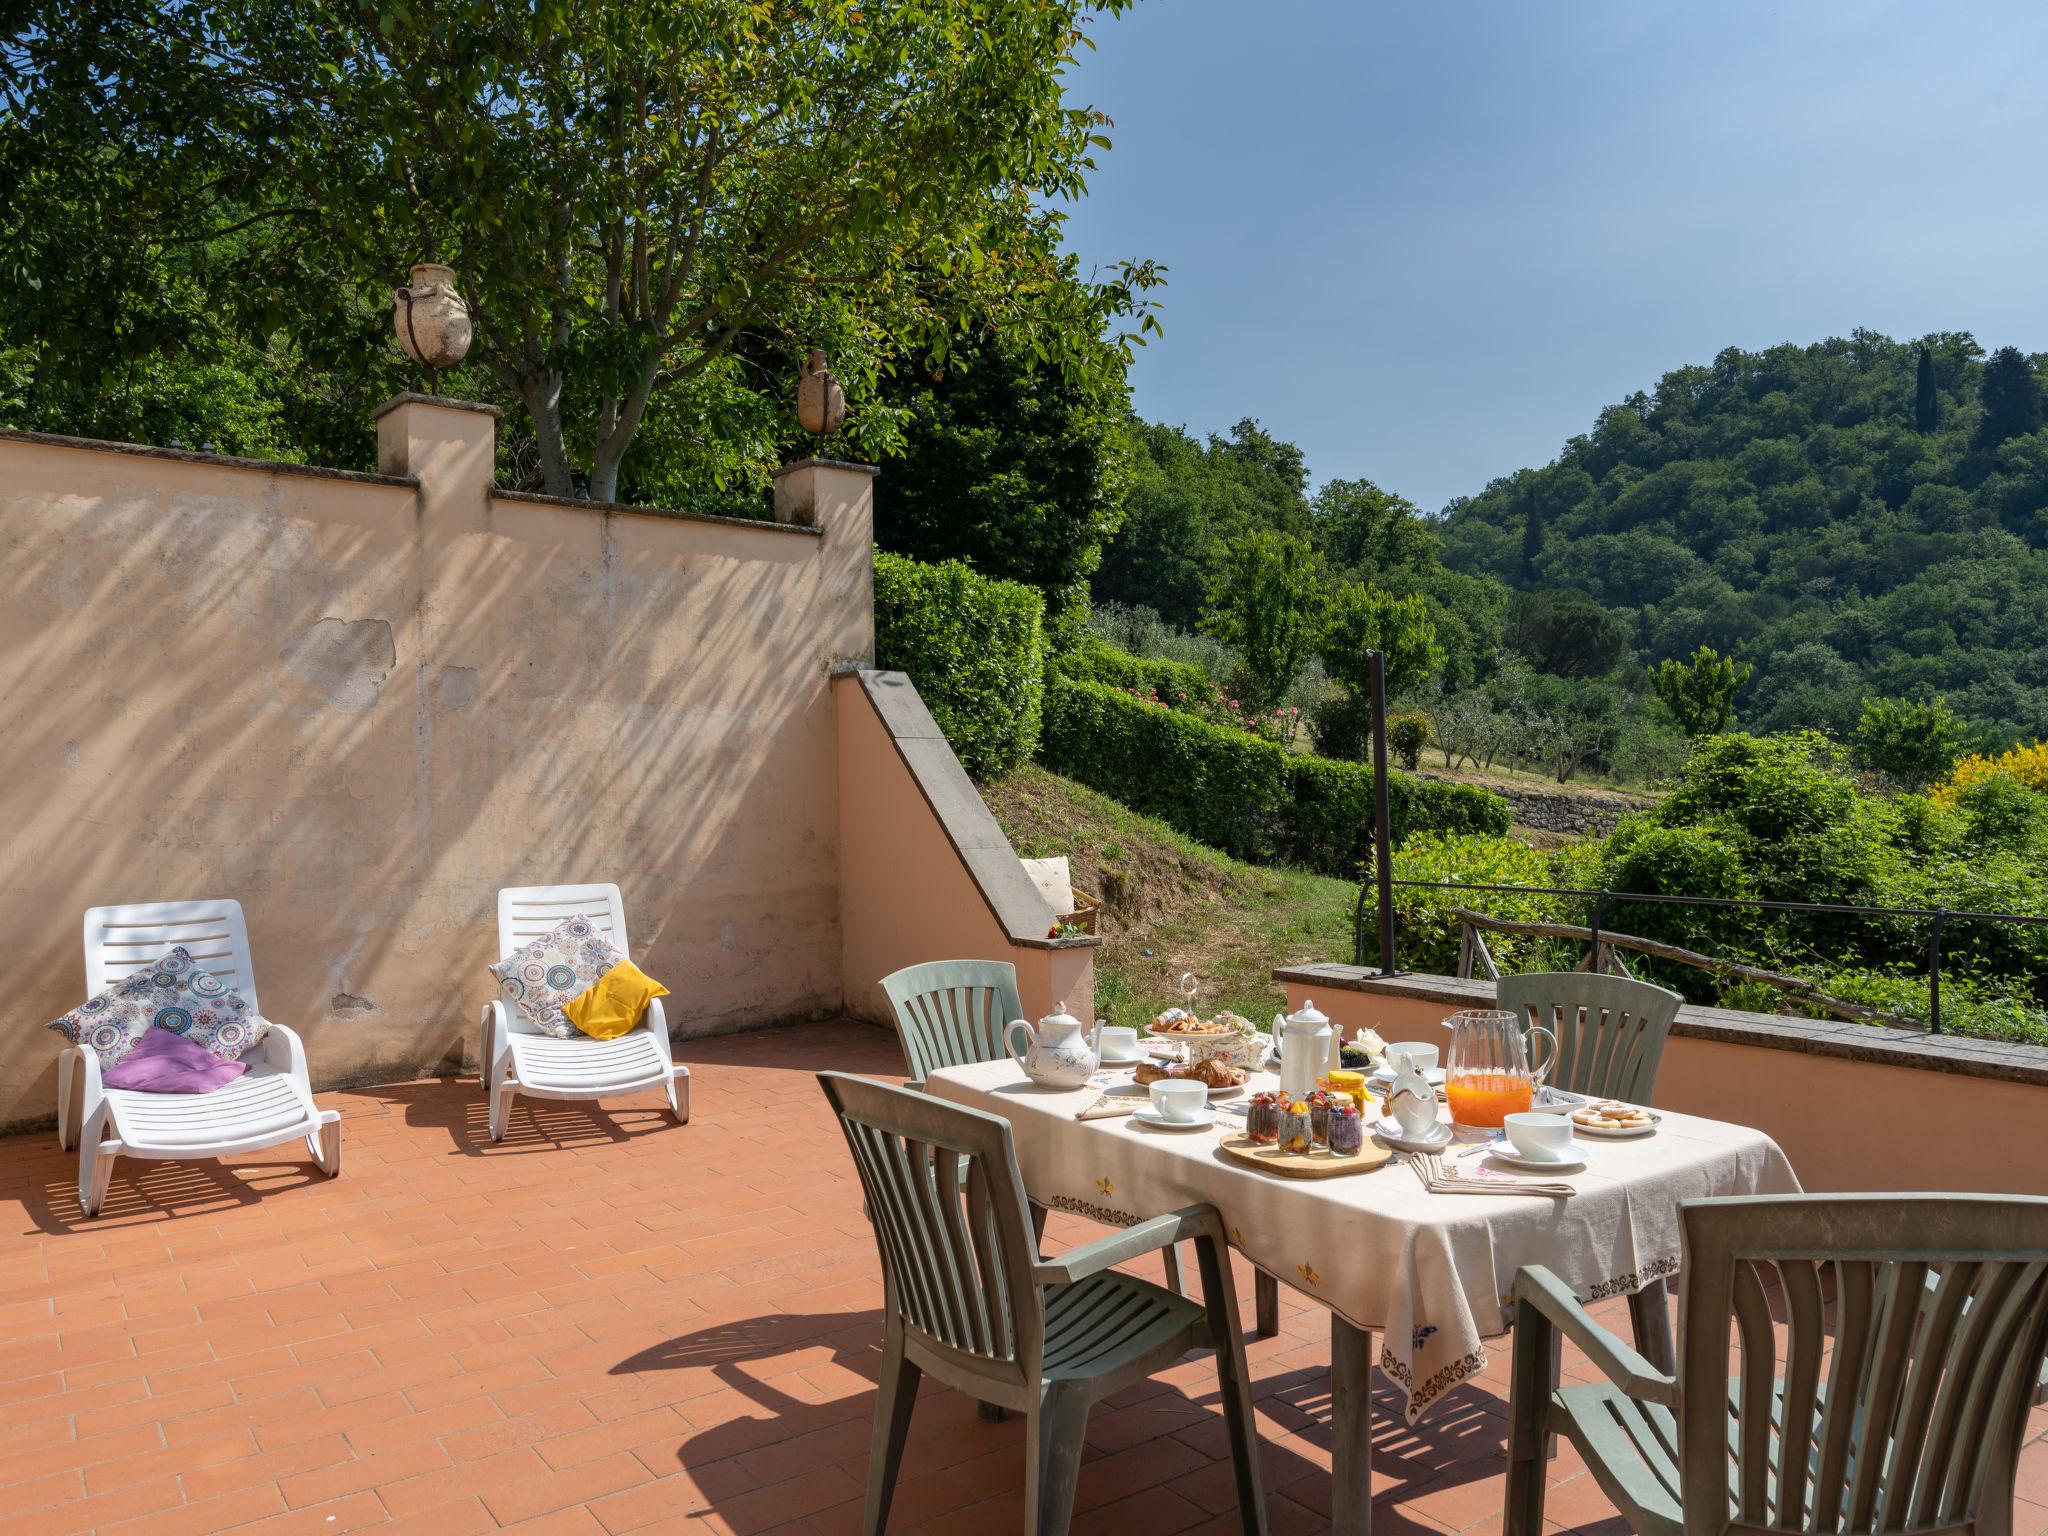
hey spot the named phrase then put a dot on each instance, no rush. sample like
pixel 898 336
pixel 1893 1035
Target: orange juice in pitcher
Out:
pixel 1488 1075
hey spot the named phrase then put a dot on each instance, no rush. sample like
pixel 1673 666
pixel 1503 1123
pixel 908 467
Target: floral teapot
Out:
pixel 1057 1054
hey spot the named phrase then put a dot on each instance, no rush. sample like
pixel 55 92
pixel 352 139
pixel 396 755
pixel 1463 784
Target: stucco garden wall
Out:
pixel 362 704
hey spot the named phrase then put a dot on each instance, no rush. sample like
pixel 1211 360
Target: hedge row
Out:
pixel 975 647
pixel 1219 786
pixel 1172 681
pixel 1237 792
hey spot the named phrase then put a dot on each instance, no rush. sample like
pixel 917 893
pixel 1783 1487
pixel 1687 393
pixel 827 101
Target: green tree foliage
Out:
pixel 1700 693
pixel 1912 742
pixel 1268 603
pixel 1187 501
pixel 2012 399
pixel 640 201
pixel 1802 510
pixel 1407 735
pixel 1369 532
pixel 1012 465
pixel 1359 619
pixel 1567 634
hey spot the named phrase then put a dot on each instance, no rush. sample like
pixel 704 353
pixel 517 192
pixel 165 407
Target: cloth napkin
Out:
pixel 1440 1179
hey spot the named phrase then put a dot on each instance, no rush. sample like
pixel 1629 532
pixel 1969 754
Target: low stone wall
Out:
pixel 1583 815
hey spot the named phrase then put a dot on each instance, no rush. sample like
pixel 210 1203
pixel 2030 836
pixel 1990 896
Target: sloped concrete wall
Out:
pixel 361 704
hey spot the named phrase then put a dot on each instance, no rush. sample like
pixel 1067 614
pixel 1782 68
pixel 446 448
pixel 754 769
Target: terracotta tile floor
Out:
pixel 606 1324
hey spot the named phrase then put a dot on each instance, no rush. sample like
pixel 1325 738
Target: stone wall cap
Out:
pixel 978 842
pixel 818 463
pixel 412 397
pixel 193 456
pixel 767 525
pixel 1964 1055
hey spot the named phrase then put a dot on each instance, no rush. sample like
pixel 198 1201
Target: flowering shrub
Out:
pixel 2027 764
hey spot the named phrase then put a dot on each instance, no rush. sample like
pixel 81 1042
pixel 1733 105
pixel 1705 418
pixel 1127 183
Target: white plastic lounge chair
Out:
pixel 270 1103
pixel 517 1058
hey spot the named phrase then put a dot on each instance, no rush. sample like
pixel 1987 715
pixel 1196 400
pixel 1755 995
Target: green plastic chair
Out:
pixel 1610 1029
pixel 967 1297
pixel 950 1013
pixel 1911 1423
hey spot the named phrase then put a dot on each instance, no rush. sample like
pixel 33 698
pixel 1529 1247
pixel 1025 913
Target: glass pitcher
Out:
pixel 1488 1075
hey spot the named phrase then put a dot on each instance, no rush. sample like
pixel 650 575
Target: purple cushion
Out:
pixel 166 1062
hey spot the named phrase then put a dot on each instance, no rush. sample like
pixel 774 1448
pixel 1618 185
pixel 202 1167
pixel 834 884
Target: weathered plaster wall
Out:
pixel 362 705
pixel 927 874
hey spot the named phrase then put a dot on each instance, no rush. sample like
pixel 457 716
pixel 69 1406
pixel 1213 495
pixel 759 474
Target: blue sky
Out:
pixel 1428 241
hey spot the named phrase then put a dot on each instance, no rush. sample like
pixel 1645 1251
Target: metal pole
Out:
pixel 1382 837
pixel 1599 913
pixel 1934 971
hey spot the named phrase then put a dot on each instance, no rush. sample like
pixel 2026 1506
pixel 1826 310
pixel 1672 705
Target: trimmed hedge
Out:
pixel 975 647
pixel 1219 786
pixel 1098 661
pixel 1329 824
pixel 1237 792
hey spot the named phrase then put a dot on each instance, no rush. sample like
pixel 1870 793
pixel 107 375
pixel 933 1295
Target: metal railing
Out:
pixel 1938 918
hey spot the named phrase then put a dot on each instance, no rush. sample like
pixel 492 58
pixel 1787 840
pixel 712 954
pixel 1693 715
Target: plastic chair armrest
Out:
pixel 1194 1221
pixel 1612 1357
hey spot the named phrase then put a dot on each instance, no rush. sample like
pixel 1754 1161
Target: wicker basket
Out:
pixel 1087 912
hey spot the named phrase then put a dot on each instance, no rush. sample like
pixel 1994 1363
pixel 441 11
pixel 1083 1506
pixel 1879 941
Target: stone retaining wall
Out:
pixel 1582 815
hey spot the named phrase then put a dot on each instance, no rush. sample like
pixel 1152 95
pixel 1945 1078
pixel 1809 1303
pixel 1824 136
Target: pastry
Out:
pixel 1612 1115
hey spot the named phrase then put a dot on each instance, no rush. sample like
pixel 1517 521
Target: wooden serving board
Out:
pixel 1319 1164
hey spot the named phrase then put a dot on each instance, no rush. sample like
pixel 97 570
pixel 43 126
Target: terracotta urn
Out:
pixel 820 402
pixel 430 318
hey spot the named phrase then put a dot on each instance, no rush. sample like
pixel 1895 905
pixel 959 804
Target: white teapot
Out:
pixel 1058 1054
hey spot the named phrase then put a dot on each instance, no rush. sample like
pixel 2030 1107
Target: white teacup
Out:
pixel 1119 1043
pixel 1411 1056
pixel 1540 1138
pixel 1178 1100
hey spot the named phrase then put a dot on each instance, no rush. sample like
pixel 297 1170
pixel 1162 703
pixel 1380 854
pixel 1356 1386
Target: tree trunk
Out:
pixel 613 443
pixel 543 400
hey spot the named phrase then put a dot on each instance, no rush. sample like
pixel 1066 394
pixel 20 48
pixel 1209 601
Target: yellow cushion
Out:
pixel 613 1004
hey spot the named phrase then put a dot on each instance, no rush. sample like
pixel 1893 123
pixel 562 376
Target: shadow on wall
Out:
pixel 361 708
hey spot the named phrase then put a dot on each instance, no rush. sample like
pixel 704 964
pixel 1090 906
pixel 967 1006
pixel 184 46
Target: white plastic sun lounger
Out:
pixel 270 1103
pixel 517 1058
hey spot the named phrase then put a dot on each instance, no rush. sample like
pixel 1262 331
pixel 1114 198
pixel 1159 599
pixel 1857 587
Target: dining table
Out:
pixel 1430 1274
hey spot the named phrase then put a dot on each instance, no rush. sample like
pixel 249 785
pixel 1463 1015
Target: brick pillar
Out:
pixel 838 499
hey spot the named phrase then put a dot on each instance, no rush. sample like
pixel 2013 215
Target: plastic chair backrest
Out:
pixel 122 940
pixel 1915 1416
pixel 525 912
pixel 953 1012
pixel 948 1207
pixel 1610 1029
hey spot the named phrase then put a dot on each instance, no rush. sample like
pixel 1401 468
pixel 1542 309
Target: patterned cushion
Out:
pixel 537 978
pixel 177 994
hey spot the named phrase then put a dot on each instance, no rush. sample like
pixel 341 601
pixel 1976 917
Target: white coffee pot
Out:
pixel 1308 1051
pixel 1056 1054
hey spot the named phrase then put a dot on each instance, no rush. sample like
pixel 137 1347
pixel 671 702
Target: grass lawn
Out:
pixel 1171 905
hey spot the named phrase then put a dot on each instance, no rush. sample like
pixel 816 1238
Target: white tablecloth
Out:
pixel 1433 1273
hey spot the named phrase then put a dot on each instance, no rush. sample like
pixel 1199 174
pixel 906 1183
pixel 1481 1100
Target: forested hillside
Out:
pixel 1854 518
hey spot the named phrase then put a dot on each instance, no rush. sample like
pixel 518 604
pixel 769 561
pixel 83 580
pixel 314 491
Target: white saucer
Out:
pixel 1136 1058
pixel 1504 1153
pixel 1159 1122
pixel 1388 1129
